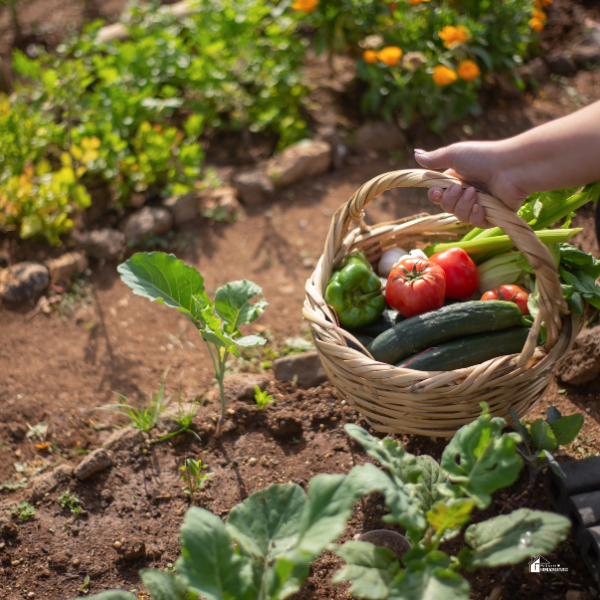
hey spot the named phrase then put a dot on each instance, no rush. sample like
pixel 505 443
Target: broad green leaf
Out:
pixel 112 595
pixel 450 515
pixel 556 468
pixel 429 579
pixel 523 431
pixel 401 499
pixel 552 414
pixel 542 436
pixel 250 340
pixel 164 585
pixel 428 487
pixel 219 338
pixel 209 562
pixel 481 459
pixel 371 569
pixel 232 303
pixel 267 523
pixel 566 428
pixel 165 279
pixel 509 539
pixel 389 453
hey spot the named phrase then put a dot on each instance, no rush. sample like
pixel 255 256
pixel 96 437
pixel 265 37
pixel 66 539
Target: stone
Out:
pixel 103 244
pixel 304 159
pixel 63 268
pixel 95 461
pixel 125 439
pixel 305 368
pixel 582 363
pixel 151 220
pixel 560 64
pixel 586 49
pixel 184 208
pixel 221 204
pixel 254 187
pixel 240 386
pixel 46 483
pixel 378 135
pixel 129 549
pixel 23 281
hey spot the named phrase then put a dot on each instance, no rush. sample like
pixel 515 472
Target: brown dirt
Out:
pixel 58 368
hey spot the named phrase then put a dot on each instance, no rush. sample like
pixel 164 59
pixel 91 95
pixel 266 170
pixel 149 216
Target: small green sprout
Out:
pixel 70 501
pixel 262 398
pixel 24 511
pixel 194 478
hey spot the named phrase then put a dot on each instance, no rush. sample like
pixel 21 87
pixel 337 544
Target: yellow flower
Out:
pixel 443 75
pixel 305 6
pixel 542 3
pixel 390 55
pixel 536 24
pixel 370 56
pixel 468 70
pixel 538 14
pixel 416 2
pixel 454 35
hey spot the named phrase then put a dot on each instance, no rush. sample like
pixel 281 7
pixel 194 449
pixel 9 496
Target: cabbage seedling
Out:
pixel 193 476
pixel 166 279
pixel 262 398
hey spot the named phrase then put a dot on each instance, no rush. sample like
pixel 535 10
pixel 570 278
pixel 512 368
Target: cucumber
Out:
pixel 365 340
pixel 386 321
pixel 468 351
pixel 443 325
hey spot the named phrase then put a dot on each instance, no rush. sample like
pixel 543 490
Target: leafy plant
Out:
pixel 193 476
pixel 70 501
pixel 146 417
pixel 24 511
pixel 542 437
pixel 166 279
pixel 262 398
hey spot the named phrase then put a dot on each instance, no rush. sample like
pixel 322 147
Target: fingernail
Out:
pixel 470 194
pixel 436 195
pixel 419 151
pixel 455 191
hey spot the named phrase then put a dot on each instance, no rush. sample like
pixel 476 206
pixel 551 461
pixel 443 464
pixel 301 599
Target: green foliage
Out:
pixel 542 437
pixel 166 279
pixel 146 417
pixel 70 501
pixel 24 511
pixel 193 476
pixel 497 37
pixel 262 398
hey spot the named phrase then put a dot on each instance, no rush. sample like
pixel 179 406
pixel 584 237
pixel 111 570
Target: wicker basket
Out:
pixel 434 403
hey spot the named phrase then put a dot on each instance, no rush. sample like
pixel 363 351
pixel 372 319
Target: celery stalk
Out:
pixel 502 242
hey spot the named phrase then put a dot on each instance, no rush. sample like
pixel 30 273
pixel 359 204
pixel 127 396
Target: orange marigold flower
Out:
pixel 305 6
pixel 539 14
pixel 443 75
pixel 536 24
pixel 370 56
pixel 417 2
pixel 542 3
pixel 390 55
pixel 454 35
pixel 468 70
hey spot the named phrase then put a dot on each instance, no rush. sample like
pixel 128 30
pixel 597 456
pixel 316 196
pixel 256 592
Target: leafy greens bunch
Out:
pixel 166 279
pixel 264 550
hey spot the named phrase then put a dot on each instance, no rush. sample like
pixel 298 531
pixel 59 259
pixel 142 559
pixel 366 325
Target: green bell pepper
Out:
pixel 354 292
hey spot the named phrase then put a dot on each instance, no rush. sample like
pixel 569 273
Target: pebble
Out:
pixel 103 243
pixel 23 281
pixel 148 221
pixel 304 159
pixel 252 461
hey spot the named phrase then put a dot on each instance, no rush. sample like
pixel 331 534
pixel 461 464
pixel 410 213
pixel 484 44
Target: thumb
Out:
pixel 443 158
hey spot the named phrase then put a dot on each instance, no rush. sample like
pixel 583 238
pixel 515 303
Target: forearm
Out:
pixel 559 154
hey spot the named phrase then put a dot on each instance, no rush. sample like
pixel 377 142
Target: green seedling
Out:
pixel 166 279
pixel 24 511
pixel 542 437
pixel 262 398
pixel 146 417
pixel 194 478
pixel 70 501
pixel 266 546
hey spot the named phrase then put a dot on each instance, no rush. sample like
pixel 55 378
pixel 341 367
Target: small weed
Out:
pixel 194 478
pixel 37 431
pixel 24 511
pixel 70 501
pixel 144 418
pixel 262 398
pixel 84 588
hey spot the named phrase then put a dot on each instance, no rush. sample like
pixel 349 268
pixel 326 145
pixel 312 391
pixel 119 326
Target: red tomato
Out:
pixel 462 276
pixel 415 286
pixel 510 293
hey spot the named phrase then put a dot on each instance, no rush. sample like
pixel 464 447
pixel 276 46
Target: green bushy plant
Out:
pixel 264 550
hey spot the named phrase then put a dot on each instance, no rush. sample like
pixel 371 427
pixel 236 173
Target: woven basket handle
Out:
pixel 551 301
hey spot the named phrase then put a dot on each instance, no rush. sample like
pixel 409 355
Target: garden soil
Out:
pixel 58 369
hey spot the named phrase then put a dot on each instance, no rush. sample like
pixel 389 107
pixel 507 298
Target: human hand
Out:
pixel 482 164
